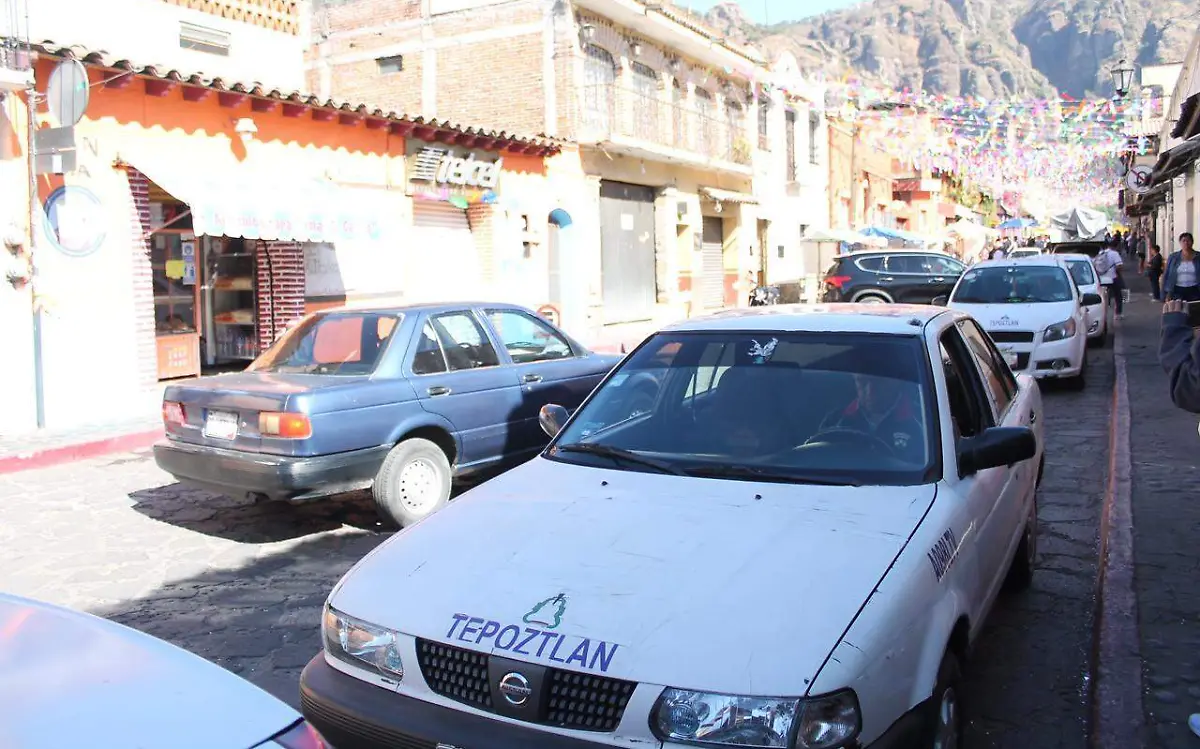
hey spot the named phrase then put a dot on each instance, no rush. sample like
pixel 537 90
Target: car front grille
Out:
pixel 1011 336
pixel 575 700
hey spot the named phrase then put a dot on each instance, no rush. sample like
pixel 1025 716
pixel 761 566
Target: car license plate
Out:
pixel 221 425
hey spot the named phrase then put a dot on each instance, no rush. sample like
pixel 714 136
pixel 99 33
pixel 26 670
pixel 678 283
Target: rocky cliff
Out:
pixel 982 48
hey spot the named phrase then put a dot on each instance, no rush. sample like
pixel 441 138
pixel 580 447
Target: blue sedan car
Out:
pixel 401 400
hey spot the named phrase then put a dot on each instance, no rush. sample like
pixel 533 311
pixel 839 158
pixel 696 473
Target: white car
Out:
pixel 1021 252
pixel 794 546
pixel 70 679
pixel 1084 274
pixel 1033 311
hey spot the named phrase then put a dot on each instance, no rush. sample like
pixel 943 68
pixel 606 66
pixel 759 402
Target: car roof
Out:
pixel 894 319
pixel 1024 262
pixel 891 251
pixel 1074 257
pixel 432 307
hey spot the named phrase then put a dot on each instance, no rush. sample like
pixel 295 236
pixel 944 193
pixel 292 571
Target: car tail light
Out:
pixel 174 413
pixel 300 736
pixel 837 282
pixel 289 425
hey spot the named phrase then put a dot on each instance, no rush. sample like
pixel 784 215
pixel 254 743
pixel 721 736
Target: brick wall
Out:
pixel 141 278
pixel 495 83
pixel 482 219
pixel 363 82
pixel 280 270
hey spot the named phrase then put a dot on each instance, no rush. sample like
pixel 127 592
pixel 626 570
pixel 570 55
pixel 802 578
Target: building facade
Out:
pixel 675 180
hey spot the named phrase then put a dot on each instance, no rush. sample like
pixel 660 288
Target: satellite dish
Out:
pixel 68 92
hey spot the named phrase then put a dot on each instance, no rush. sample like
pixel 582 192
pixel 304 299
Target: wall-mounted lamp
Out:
pixel 587 32
pixel 673 65
pixel 635 48
pixel 245 129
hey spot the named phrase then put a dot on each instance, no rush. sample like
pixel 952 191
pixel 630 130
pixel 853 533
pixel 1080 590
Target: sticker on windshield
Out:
pixel 762 353
pixel 900 439
pixel 943 553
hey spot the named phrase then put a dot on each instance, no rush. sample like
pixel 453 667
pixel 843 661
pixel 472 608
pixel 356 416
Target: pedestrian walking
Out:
pixel 1154 271
pixel 1108 266
pixel 1181 279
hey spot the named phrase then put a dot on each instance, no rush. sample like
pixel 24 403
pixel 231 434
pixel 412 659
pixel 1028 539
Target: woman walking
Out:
pixel 1154 271
pixel 1181 280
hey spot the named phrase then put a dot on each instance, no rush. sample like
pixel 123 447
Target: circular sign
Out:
pixel 549 313
pixel 75 221
pixel 67 92
pixel 1138 179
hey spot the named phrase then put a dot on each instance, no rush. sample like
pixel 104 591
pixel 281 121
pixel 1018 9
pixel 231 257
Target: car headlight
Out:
pixel 726 720
pixel 1059 331
pixel 361 644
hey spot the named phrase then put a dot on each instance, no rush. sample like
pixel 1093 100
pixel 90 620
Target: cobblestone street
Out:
pixel 242 584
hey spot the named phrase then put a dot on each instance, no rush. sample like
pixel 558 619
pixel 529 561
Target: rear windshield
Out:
pixel 1081 272
pixel 334 343
pixel 1013 284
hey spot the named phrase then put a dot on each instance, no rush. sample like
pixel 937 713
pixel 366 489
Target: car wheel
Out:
pixel 413 482
pixel 947 720
pixel 1020 573
pixel 871 299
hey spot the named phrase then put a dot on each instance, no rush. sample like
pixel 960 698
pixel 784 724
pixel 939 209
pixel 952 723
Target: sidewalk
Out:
pixel 1165 456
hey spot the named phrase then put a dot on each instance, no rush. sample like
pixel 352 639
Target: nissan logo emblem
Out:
pixel 515 688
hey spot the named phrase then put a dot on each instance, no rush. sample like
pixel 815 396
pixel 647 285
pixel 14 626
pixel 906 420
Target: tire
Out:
pixel 1020 572
pixel 946 713
pixel 413 483
pixel 870 298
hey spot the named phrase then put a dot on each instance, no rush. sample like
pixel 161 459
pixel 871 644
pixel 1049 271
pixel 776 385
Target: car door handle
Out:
pixel 437 390
pixel 531 378
pixel 937 279
pixel 887 278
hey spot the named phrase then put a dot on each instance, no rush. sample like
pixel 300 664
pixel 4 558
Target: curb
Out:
pixel 52 456
pixel 1117 715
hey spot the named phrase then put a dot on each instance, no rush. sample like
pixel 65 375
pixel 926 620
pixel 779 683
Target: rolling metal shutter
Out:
pixel 445 264
pixel 710 287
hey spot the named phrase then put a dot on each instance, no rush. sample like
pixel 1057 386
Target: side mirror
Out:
pixel 1091 300
pixel 941 301
pixel 998 446
pixel 552 418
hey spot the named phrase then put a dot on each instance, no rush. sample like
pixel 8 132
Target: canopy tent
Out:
pixel 844 236
pixel 1081 224
pixel 1017 223
pixel 900 235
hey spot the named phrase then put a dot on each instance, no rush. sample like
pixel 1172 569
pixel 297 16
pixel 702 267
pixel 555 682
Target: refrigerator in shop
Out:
pixel 230 302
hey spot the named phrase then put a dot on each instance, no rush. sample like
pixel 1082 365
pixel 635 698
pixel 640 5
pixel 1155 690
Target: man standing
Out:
pixel 1108 266
pixel 1182 277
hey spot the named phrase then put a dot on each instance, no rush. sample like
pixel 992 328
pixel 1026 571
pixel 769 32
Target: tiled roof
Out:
pixel 433 128
pixel 690 21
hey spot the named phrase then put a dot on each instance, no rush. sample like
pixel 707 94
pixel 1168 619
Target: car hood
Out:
pixel 1029 317
pixel 72 679
pixel 729 586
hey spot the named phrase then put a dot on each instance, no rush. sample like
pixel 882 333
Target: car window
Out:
pixel 1082 272
pixel 965 414
pixel 463 341
pixel 996 373
pixel 942 266
pixel 872 264
pixel 429 357
pixel 801 407
pixel 340 343
pixel 1014 284
pixel 904 264
pixel 526 338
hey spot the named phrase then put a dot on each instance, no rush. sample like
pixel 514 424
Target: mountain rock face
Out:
pixel 980 48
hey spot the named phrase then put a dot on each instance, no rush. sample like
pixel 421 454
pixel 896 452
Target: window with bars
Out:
pixel 814 145
pixel 678 100
pixel 764 114
pixel 790 136
pixel 706 109
pixel 735 119
pixel 645 102
pixel 600 77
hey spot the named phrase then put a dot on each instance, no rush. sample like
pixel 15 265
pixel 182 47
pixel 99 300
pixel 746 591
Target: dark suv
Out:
pixel 879 276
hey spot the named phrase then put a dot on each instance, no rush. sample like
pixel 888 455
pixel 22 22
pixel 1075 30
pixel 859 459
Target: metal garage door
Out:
pixel 627 283
pixel 444 258
pixel 710 284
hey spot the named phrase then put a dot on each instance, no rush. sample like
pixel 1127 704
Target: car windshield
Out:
pixel 334 343
pixel 1081 272
pixel 815 408
pixel 1013 284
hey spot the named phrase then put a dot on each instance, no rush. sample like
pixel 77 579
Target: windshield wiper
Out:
pixel 618 453
pixel 723 470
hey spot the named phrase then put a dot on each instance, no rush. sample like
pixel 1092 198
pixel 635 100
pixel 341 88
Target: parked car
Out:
pixel 882 276
pixel 400 400
pixel 70 679
pixel 1084 274
pixel 1033 311
pixel 1091 249
pixel 833 570
pixel 1021 252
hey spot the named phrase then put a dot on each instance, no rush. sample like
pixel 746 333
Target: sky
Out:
pixel 774 11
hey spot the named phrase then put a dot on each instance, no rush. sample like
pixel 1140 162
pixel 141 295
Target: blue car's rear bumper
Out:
pixel 236 473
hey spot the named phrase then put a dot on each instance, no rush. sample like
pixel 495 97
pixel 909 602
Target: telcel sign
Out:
pixel 443 168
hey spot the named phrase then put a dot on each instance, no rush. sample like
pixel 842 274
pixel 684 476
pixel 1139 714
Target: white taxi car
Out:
pixel 1084 274
pixel 793 547
pixel 1033 311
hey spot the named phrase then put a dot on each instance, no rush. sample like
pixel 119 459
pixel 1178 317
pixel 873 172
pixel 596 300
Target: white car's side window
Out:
pixel 1001 385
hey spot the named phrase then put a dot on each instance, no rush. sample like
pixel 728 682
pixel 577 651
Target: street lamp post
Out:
pixel 1122 78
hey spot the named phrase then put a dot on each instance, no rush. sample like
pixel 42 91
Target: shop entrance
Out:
pixel 627 279
pixel 711 287
pixel 445 264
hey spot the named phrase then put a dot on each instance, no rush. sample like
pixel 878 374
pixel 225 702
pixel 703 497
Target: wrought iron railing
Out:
pixel 14 43
pixel 608 110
